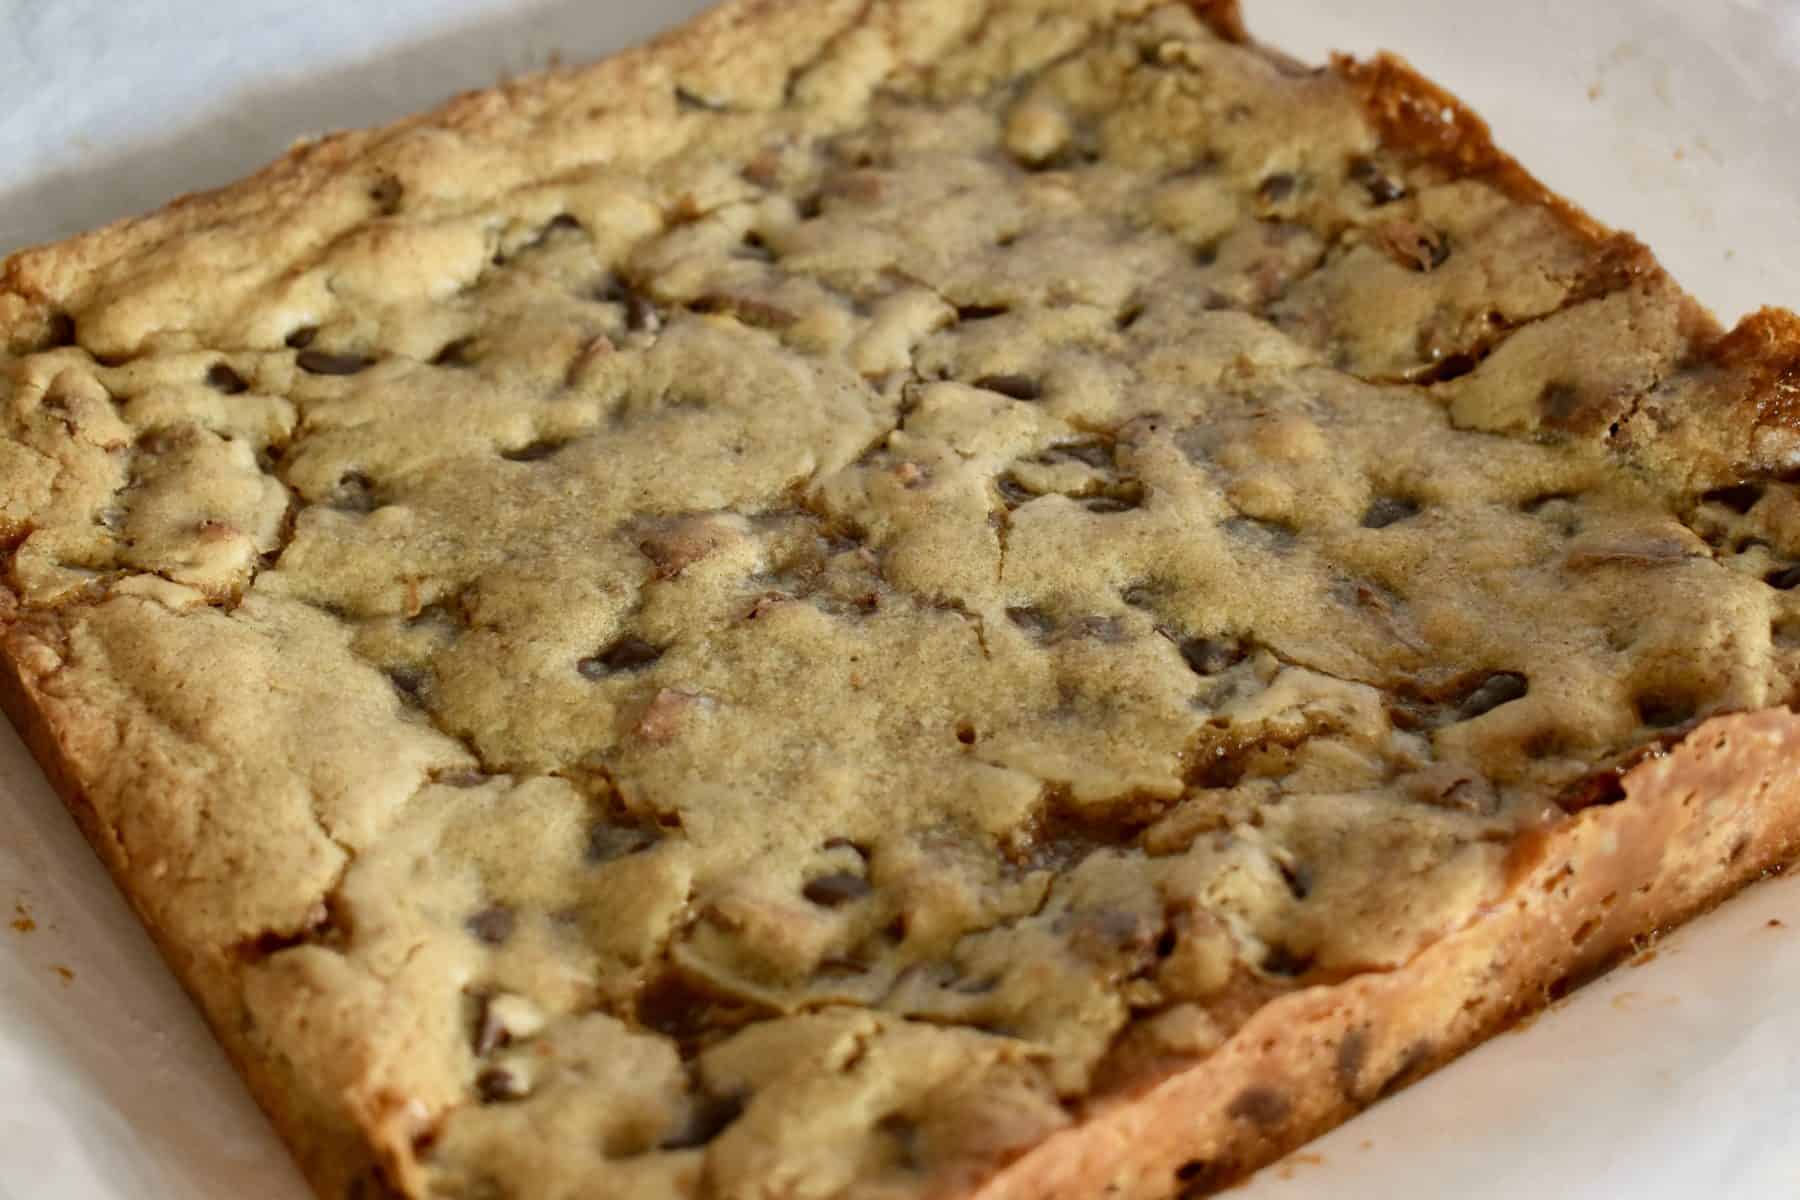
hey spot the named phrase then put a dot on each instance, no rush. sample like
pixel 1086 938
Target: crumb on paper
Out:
pixel 1594 90
pixel 1299 1158
pixel 1644 957
pixel 63 973
pixel 23 921
pixel 1776 923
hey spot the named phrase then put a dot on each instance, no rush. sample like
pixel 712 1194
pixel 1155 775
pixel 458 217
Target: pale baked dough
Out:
pixel 1016 599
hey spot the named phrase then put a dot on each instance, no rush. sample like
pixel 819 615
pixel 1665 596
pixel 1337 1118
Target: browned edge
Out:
pixel 1719 810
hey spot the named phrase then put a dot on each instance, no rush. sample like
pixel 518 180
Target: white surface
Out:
pixel 1677 1079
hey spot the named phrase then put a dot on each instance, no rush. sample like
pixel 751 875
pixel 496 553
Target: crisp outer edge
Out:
pixel 1498 968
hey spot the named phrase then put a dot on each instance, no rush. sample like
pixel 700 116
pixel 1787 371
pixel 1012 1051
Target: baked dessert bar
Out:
pixel 948 598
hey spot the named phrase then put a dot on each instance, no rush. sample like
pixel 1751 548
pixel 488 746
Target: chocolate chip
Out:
pixel 607 842
pixel 1413 245
pixel 684 1008
pixel 221 378
pixel 1298 880
pixel 1284 962
pixel 629 653
pixel 688 101
pixel 1446 368
pixel 1739 497
pixel 708 1116
pixel 1108 505
pixel 492 925
pixel 324 362
pixel 1209 656
pixel 837 888
pixel 753 247
pixel 1200 1176
pixel 1139 595
pixel 410 682
pixel 965 733
pixel 1502 687
pixel 302 337
pixel 1276 188
pixel 980 312
pixel 1386 510
pixel 1560 404
pixel 1016 387
pixel 386 192
pixel 1786 579
pixel 1012 492
pixel 499 1084
pixel 1382 188
pixel 1034 621
pixel 1098 455
pixel 1260 1105
pixel 59 331
pixel 455 353
pixel 535 451
pixel 355 492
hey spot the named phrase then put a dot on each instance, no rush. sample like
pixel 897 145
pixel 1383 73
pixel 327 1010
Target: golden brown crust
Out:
pixel 331 1152
pixel 1717 811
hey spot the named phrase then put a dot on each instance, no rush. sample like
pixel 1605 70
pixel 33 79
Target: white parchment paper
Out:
pixel 1679 121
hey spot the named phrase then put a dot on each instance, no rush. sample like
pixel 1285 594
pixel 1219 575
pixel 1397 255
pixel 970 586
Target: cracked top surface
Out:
pixel 777 635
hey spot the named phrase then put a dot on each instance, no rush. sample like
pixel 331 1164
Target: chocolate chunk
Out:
pixel 60 331
pixel 1502 687
pixel 1209 656
pixel 1199 1177
pixel 355 492
pixel 302 337
pixel 607 842
pixel 980 312
pixel 1098 455
pixel 324 362
pixel 1297 878
pixel 837 888
pixel 455 353
pixel 1012 492
pixel 1386 510
pixel 1786 579
pixel 386 192
pixel 1739 497
pixel 1276 188
pixel 1260 1105
pixel 410 681
pixel 535 451
pixel 629 653
pixel 1412 245
pixel 1034 621
pixel 688 101
pixel 1560 405
pixel 221 378
pixel 499 1084
pixel 1016 387
pixel 492 925
pixel 1284 962
pixel 1382 188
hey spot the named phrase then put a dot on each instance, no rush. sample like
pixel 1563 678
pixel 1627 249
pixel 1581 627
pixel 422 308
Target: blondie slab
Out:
pixel 919 598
